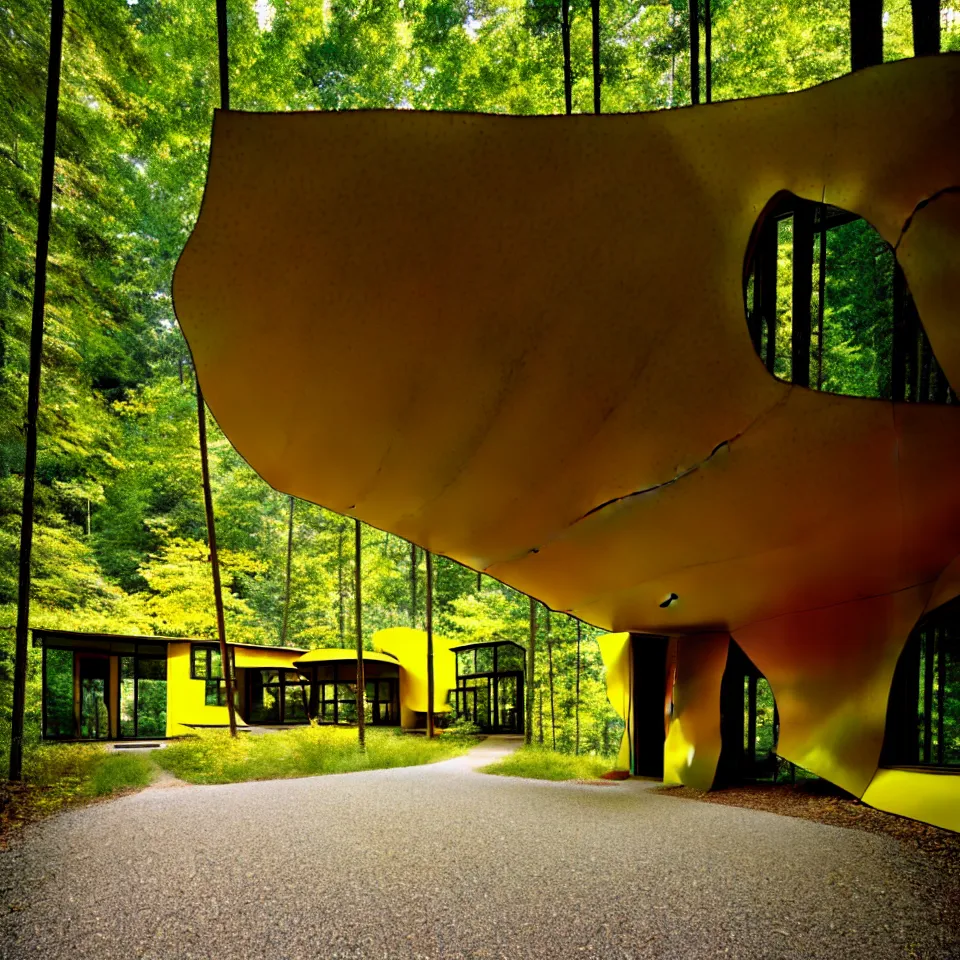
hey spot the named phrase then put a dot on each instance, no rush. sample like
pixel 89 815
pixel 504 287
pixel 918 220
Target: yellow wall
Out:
pixel 615 653
pixel 265 659
pixel 409 646
pixel 930 797
pixel 185 696
pixel 692 749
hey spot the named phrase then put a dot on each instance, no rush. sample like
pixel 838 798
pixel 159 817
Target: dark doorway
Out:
pixel 749 722
pixel 93 679
pixel 923 713
pixel 649 694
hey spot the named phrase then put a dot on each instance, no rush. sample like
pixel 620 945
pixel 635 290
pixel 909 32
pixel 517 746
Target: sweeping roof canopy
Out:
pixel 520 343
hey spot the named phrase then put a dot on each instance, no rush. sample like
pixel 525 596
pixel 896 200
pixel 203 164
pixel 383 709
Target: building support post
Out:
pixel 430 680
pixel 866 33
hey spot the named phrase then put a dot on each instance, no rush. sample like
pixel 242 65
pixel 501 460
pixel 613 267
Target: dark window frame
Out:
pixel 915 374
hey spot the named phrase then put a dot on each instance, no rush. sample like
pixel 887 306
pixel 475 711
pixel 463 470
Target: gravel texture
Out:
pixel 441 861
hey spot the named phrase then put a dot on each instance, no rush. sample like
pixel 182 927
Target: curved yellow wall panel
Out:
pixel 409 647
pixel 692 750
pixel 605 334
pixel 830 671
pixel 615 653
pixel 931 797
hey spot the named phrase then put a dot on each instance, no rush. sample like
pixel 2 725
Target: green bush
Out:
pixel 212 756
pixel 541 763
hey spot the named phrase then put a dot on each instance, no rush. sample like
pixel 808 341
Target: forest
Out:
pixel 120 541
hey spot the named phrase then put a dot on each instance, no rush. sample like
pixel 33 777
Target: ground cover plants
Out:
pixel 212 757
pixel 58 775
pixel 540 763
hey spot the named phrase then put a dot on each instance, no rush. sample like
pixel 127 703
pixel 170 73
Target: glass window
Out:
pixel 58 693
pixel 484 659
pixel 215 693
pixel 128 697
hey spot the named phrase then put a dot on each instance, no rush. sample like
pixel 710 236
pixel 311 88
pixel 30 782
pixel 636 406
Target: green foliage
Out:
pixel 120 530
pixel 119 771
pixel 309 751
pixel 461 729
pixel 538 763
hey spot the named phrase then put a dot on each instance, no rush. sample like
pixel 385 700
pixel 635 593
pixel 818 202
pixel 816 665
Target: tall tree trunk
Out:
pixel 553 713
pixel 540 715
pixel 341 612
pixel 531 667
pixel 707 52
pixel 358 615
pixel 597 78
pixel 413 585
pixel 576 746
pixel 226 663
pixel 44 211
pixel 567 73
pixel 694 12
pixel 286 592
pixel 430 680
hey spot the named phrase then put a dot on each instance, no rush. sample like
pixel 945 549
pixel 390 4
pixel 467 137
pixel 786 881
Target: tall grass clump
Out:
pixel 541 763
pixel 213 757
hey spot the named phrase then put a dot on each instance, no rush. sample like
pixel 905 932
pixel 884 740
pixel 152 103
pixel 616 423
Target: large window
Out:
pixel 923 717
pixel 58 715
pixel 828 307
pixel 206 664
pixel 143 696
pixel 276 696
pixel 489 687
pixel 336 696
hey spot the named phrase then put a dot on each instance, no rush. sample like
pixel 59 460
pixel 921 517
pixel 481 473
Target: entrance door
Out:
pixel 749 722
pixel 93 684
pixel 510 703
pixel 467 709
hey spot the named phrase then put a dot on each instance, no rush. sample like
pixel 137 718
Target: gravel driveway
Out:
pixel 441 861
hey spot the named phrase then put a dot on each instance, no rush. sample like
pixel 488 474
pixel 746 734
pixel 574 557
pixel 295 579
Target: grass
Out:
pixel 541 763
pixel 212 757
pixel 58 775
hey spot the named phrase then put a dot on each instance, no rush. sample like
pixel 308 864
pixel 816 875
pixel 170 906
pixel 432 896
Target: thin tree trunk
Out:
pixel 821 292
pixel 540 715
pixel 358 614
pixel 341 612
pixel 413 585
pixel 430 682
pixel 576 748
pixel 707 52
pixel 44 212
pixel 595 9
pixel 225 661
pixel 567 73
pixel 286 592
pixel 531 666
pixel 553 714
pixel 693 7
